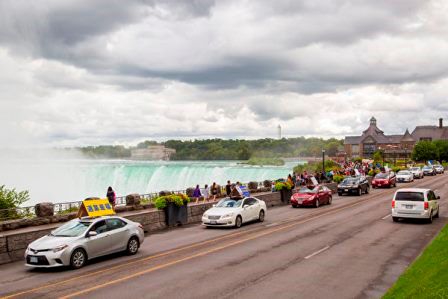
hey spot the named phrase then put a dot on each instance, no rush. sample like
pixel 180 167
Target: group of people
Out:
pixel 210 193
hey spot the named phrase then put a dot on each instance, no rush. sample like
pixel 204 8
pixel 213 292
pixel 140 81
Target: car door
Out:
pixel 118 233
pixel 322 197
pixel 248 210
pixel 100 244
pixel 432 202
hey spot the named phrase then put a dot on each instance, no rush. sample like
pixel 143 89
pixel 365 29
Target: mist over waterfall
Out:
pixel 62 180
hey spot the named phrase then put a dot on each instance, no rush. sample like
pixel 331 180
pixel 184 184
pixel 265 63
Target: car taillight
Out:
pixel 426 205
pixel 393 204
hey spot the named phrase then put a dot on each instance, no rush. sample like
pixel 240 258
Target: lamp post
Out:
pixel 323 161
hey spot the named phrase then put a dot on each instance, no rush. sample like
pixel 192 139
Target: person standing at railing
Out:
pixel 206 193
pixel 214 190
pixel 228 188
pixel 197 193
pixel 111 196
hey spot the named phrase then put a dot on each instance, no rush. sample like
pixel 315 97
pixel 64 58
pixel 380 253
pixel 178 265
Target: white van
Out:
pixel 415 203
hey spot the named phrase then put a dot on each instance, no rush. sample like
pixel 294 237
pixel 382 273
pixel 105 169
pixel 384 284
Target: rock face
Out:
pixel 133 200
pixel 44 209
pixel 267 183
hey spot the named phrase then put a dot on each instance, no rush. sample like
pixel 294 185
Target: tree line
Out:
pixel 431 150
pixel 226 149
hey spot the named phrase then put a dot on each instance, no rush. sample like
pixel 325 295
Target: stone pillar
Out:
pixel 133 199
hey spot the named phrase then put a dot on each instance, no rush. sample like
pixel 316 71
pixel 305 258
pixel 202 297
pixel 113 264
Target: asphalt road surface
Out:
pixel 349 249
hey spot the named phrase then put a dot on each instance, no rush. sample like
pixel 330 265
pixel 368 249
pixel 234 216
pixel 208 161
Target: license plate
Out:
pixel 345 190
pixel 379 185
pixel 33 259
pixel 213 222
pixel 409 206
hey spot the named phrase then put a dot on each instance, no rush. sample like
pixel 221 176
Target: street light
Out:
pixel 323 162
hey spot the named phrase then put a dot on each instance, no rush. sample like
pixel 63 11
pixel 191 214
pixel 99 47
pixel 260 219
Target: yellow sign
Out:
pixel 95 208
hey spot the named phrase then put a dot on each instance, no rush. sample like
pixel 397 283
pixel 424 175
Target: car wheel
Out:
pixel 316 203
pixel 359 192
pixel 367 190
pixel 395 219
pixel 261 216
pixel 430 218
pixel 78 258
pixel 295 206
pixel 330 199
pixel 238 221
pixel 340 193
pixel 133 245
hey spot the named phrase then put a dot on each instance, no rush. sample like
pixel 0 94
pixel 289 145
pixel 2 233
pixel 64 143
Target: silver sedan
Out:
pixel 79 240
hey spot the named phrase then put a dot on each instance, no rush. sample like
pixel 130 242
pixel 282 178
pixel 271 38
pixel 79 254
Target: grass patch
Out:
pixel 426 277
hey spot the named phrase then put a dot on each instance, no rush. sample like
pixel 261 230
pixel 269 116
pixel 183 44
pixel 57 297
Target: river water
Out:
pixel 76 179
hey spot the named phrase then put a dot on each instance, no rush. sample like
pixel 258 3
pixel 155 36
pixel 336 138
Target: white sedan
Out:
pixel 405 176
pixel 235 212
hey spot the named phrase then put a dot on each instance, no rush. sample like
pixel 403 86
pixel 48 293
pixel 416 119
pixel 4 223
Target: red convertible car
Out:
pixel 313 196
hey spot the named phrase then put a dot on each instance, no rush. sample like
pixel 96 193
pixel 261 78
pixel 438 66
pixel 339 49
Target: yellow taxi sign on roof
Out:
pixel 95 208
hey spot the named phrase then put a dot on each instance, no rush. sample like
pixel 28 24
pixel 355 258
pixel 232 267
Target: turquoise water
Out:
pixel 73 180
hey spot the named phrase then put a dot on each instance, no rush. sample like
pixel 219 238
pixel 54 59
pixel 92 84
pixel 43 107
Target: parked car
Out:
pixel 311 196
pixel 439 169
pixel 354 185
pixel 405 176
pixel 417 172
pixel 235 212
pixel 83 239
pixel 384 179
pixel 429 170
pixel 415 203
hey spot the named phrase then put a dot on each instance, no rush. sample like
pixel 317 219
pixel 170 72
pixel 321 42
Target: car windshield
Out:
pixel 415 168
pixel 309 189
pixel 229 203
pixel 427 167
pixel 404 172
pixel 410 196
pixel 381 175
pixel 71 229
pixel 349 181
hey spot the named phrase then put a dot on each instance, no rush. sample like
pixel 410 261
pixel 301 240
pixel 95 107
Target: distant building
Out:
pixel 279 132
pixel 396 146
pixel 153 152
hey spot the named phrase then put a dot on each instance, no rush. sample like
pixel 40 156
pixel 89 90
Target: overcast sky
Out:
pixel 110 71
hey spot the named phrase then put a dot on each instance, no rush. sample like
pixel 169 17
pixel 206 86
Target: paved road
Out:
pixel 350 249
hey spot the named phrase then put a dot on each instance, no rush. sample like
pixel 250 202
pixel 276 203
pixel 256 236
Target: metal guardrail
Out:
pixel 73 206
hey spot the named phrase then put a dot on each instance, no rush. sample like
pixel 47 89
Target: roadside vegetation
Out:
pixel 10 199
pixel 427 277
pixel 431 150
pixel 265 162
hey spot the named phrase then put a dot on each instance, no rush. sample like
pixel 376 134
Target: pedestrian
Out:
pixel 289 180
pixel 214 190
pixel 236 192
pixel 228 188
pixel 206 193
pixel 197 193
pixel 111 196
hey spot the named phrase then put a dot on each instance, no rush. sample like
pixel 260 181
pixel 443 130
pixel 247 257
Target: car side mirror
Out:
pixel 91 233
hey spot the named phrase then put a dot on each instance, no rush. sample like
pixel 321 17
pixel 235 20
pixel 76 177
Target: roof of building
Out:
pixel 407 137
pixel 433 132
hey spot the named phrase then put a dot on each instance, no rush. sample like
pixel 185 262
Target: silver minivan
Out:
pixel 415 203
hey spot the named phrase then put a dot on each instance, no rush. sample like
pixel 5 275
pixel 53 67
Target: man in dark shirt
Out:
pixel 228 188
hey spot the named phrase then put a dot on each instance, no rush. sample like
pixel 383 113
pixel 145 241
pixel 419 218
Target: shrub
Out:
pixel 373 172
pixel 397 168
pixel 10 199
pixel 338 178
pixel 179 199
pixel 283 186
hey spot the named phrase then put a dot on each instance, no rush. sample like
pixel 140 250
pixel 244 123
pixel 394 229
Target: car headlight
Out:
pixel 227 215
pixel 59 248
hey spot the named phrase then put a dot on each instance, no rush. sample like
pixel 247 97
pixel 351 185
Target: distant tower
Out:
pixel 279 132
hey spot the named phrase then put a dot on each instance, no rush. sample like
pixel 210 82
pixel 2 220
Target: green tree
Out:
pixel 377 157
pixel 10 199
pixel 424 151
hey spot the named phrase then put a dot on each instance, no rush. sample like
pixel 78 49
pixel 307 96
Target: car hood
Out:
pixel 221 211
pixel 347 185
pixel 403 176
pixel 380 180
pixel 50 242
pixel 301 196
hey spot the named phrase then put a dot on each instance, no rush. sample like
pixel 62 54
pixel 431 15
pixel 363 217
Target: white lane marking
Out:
pixel 387 216
pixel 272 224
pixel 317 252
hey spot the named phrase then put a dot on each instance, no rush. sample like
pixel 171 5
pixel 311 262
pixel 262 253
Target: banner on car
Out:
pixel 95 208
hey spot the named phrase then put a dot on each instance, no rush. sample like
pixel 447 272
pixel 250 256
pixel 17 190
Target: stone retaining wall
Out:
pixel 14 242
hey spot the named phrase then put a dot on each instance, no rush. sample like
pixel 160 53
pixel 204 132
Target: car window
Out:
pixel 410 196
pixel 381 175
pixel 71 229
pixel 99 227
pixel 114 223
pixel 431 195
pixel 229 203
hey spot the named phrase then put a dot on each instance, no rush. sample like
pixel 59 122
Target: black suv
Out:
pixel 354 185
